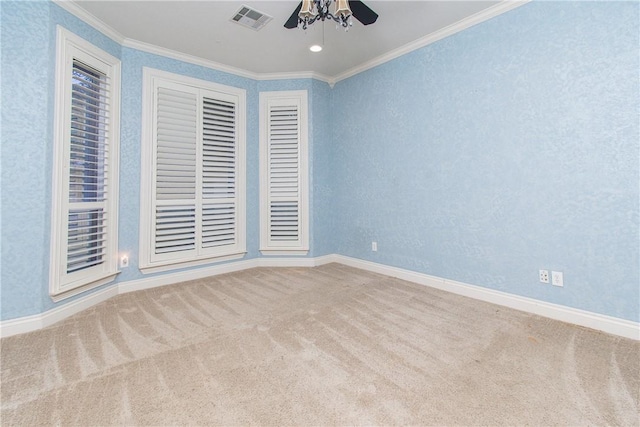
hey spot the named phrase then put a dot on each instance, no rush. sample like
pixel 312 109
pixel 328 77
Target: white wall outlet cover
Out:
pixel 544 276
pixel 556 278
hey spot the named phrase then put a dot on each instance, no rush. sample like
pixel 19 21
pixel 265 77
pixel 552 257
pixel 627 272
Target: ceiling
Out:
pixel 204 29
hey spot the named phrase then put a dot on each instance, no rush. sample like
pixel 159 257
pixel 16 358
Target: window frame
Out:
pixel 301 246
pixel 70 48
pixel 150 81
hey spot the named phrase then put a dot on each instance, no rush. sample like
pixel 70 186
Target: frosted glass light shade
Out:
pixel 306 11
pixel 342 8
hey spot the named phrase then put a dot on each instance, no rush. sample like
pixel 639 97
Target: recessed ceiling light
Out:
pixel 315 48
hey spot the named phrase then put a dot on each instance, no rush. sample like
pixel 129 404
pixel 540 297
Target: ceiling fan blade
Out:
pixel 292 22
pixel 362 12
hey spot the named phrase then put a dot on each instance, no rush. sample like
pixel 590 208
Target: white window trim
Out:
pixel 266 246
pixel 147 174
pixel 66 44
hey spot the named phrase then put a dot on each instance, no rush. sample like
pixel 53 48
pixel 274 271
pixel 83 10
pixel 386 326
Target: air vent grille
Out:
pixel 251 18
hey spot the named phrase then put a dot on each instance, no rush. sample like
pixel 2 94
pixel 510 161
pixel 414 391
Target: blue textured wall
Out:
pixel 26 138
pixel 507 148
pixel 27 83
pixel 321 192
pixel 510 147
pixel 28 43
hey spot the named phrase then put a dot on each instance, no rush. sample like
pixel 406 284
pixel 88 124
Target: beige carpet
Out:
pixel 330 345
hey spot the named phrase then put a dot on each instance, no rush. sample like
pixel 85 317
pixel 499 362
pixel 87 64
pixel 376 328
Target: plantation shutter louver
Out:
pixel 284 167
pixel 196 146
pixel 284 174
pixel 85 169
pixel 175 186
pixel 218 173
pixel 88 169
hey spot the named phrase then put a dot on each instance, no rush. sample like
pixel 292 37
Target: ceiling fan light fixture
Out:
pixel 339 11
pixel 319 10
pixel 306 11
pixel 342 9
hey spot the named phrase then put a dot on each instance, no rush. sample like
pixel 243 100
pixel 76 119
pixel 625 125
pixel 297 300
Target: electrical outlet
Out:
pixel 374 246
pixel 544 276
pixel 124 261
pixel 556 278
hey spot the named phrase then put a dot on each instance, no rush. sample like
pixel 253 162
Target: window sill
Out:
pixel 160 267
pixel 64 294
pixel 296 252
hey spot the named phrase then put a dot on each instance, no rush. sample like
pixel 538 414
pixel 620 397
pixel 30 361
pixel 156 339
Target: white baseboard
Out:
pixel 25 324
pixel 49 317
pixel 612 325
pixel 184 276
pixel 20 325
pixel 215 270
pixel 601 322
pixel 295 261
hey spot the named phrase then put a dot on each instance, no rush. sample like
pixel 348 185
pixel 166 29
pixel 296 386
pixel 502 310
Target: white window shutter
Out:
pixel 88 169
pixel 284 193
pixel 219 170
pixel 284 173
pixel 85 172
pixel 174 205
pixel 192 205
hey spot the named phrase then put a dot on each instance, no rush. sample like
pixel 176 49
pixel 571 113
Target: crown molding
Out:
pixel 486 14
pixel 498 9
pixel 295 75
pixel 71 7
pixel 174 54
pixel 191 59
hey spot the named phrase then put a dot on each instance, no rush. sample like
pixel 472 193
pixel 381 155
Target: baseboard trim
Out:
pixel 184 276
pixel 215 270
pixel 48 318
pixel 20 325
pixel 601 322
pixel 35 322
pixel 608 324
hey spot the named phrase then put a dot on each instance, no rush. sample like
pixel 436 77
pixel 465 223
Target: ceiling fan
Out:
pixel 310 11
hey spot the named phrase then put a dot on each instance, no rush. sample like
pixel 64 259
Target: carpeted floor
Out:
pixel 330 345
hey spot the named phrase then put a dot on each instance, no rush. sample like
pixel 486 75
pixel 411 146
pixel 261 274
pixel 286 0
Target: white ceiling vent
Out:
pixel 251 18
